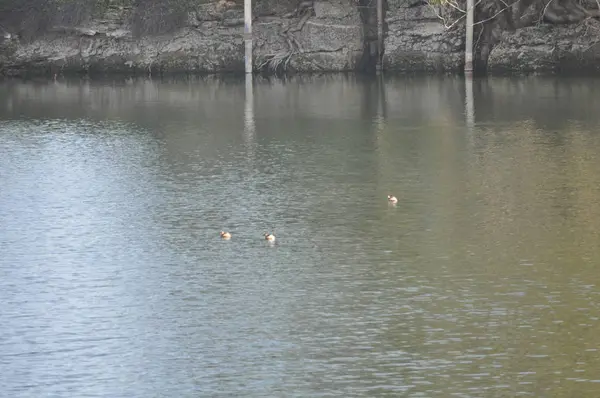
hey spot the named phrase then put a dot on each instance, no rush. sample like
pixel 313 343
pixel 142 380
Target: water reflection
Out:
pixel 249 109
pixel 481 281
pixel 469 102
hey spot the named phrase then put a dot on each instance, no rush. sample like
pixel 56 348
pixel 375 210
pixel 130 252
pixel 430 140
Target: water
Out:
pixel 482 281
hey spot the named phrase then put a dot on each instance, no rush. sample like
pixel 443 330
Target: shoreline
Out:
pixel 27 75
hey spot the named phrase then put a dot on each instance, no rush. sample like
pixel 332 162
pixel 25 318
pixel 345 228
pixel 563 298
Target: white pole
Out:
pixel 379 35
pixel 469 37
pixel 248 34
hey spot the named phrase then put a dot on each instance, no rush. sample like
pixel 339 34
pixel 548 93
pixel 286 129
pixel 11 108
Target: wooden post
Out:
pixel 379 35
pixel 469 36
pixel 248 35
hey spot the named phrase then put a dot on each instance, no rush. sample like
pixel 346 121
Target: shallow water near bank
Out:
pixel 481 281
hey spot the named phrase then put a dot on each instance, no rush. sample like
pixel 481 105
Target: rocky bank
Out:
pixel 326 36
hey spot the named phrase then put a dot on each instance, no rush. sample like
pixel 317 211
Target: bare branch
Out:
pixel 544 12
pixel 496 14
pixel 457 20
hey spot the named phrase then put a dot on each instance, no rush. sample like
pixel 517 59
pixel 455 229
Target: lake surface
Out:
pixel 483 281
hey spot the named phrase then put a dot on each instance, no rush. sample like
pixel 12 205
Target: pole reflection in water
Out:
pixel 249 110
pixel 469 110
pixel 380 117
pixel 469 104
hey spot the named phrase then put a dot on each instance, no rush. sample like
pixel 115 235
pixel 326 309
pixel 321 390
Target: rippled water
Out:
pixel 482 281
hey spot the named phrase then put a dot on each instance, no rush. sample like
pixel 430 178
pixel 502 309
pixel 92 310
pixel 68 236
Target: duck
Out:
pixel 225 235
pixel 392 199
pixel 269 237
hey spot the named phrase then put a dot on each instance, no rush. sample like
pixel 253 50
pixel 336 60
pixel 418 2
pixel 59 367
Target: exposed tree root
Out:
pixel 278 62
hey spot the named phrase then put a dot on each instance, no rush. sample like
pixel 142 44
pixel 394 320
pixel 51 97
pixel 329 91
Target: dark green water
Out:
pixel 482 282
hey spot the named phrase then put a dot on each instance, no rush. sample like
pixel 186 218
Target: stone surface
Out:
pixel 211 43
pixel 548 48
pixel 333 39
pixel 418 41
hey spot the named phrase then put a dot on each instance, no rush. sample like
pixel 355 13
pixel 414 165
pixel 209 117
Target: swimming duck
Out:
pixel 269 237
pixel 392 199
pixel 225 235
